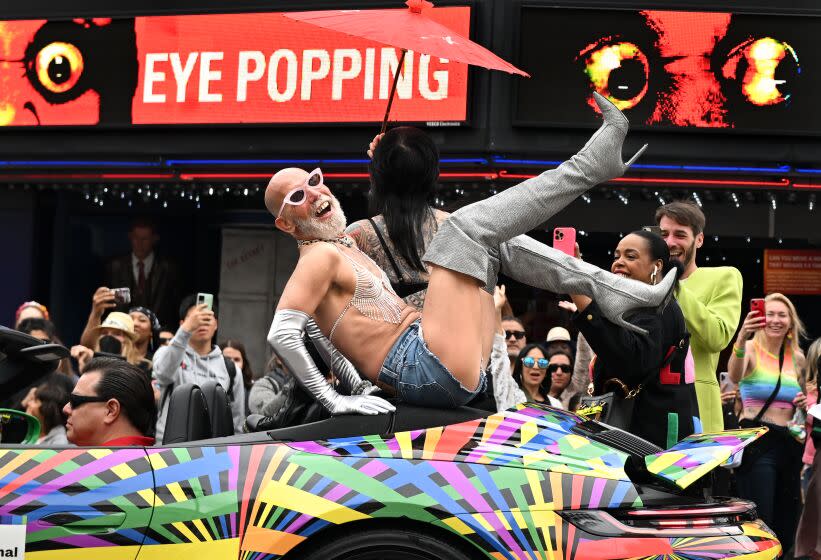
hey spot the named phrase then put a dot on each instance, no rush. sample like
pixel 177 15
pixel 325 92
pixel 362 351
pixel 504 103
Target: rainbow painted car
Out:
pixel 529 483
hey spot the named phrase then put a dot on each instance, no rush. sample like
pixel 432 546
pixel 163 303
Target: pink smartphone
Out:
pixel 757 305
pixel 564 239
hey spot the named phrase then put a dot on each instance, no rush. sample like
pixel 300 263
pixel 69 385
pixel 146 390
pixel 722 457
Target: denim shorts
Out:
pixel 419 378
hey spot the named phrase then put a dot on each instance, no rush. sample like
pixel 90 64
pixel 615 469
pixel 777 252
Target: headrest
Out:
pixel 219 410
pixel 188 418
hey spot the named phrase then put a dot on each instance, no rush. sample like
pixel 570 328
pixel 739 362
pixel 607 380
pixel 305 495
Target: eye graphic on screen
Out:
pixel 765 68
pixel 619 70
pixel 58 66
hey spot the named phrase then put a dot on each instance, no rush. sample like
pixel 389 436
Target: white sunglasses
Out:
pixel 297 196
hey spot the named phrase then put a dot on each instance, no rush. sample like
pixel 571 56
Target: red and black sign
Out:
pixel 217 69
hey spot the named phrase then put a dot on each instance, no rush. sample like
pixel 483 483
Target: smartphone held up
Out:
pixel 207 299
pixel 564 240
pixel 757 306
pixel 122 296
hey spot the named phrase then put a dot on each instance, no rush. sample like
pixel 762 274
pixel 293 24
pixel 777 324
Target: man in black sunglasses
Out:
pixel 515 337
pixel 112 405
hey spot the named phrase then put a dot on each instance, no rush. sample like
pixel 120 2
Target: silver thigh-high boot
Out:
pixel 530 262
pixel 468 241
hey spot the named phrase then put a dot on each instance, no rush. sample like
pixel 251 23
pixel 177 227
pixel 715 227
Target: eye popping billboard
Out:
pixel 217 69
pixel 671 69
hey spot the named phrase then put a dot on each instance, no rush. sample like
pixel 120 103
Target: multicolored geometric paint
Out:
pixel 698 454
pixel 497 482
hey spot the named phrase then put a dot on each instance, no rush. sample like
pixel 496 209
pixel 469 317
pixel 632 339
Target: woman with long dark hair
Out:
pixel 46 403
pixel 530 372
pixel 653 367
pixel 404 171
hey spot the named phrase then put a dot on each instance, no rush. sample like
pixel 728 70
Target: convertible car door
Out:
pixel 197 497
pixel 74 503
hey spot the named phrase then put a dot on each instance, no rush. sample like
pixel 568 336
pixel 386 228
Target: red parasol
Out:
pixel 407 30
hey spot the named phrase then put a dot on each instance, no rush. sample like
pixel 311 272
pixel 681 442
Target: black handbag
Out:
pixel 615 407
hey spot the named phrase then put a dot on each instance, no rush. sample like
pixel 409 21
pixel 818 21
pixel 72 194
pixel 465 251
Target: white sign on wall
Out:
pixel 12 541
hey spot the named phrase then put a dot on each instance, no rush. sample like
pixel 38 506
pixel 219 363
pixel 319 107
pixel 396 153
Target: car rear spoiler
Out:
pixel 698 454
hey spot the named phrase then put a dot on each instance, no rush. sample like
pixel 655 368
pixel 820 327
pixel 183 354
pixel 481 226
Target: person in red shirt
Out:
pixel 112 405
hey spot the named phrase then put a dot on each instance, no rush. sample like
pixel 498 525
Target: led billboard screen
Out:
pixel 217 69
pixel 671 69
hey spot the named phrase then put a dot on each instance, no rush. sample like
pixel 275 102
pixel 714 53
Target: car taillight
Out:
pixel 724 518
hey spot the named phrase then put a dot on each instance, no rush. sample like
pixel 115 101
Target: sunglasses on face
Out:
pixel 299 195
pixel 77 401
pixel 518 335
pixel 165 339
pixel 553 368
pixel 530 362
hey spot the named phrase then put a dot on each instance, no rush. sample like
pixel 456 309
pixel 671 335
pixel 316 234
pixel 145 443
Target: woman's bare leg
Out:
pixel 452 323
pixel 488 325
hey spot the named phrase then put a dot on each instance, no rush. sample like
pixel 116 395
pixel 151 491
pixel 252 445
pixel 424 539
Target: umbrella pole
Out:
pixel 393 91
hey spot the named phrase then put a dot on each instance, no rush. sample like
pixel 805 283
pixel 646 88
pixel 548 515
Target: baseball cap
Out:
pixel 558 334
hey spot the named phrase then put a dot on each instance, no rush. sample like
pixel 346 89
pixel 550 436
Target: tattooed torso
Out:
pixel 367 241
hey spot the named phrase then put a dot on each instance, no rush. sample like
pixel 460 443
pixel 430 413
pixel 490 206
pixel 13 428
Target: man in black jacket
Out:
pixel 153 280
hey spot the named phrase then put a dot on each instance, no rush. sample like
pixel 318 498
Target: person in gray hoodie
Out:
pixel 192 357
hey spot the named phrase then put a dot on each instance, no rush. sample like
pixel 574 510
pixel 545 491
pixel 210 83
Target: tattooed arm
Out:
pixel 366 239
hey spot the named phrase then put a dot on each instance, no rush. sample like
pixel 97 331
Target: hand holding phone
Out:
pixel 564 240
pixel 198 316
pixel 755 320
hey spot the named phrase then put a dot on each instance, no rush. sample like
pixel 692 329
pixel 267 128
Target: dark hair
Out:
pixel 556 351
pixel 131 387
pixel 143 222
pixel 53 396
pixel 513 318
pixel 685 213
pixel 544 386
pixel 154 341
pixel 247 370
pixel 660 251
pixel 36 324
pixel 190 301
pixel 404 173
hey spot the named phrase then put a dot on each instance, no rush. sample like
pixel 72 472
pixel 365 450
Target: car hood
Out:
pixel 540 437
pixel 530 436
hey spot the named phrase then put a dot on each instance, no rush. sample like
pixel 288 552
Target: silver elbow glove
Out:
pixel 349 379
pixel 285 337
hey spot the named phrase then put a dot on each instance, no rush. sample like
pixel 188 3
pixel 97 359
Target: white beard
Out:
pixel 325 229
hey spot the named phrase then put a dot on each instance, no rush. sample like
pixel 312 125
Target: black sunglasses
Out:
pixel 553 368
pixel 518 335
pixel 77 401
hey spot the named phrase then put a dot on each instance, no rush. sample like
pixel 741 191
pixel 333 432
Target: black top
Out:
pixel 665 403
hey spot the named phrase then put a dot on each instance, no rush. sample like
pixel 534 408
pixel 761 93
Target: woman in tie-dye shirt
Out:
pixel 770 472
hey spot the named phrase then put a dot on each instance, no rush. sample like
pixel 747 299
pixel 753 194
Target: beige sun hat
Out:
pixel 119 321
